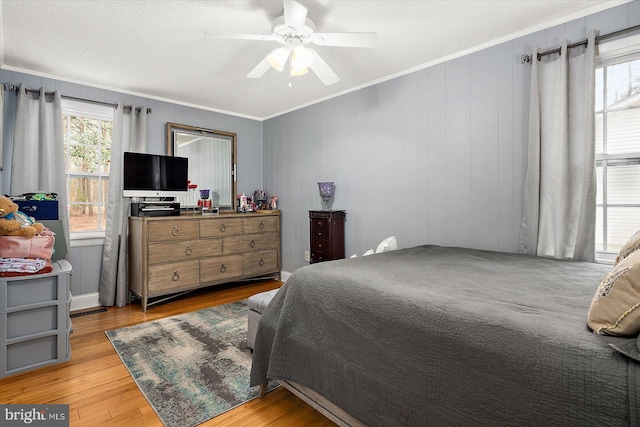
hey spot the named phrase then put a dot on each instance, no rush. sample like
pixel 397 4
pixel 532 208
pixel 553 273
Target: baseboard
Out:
pixel 284 275
pixel 84 301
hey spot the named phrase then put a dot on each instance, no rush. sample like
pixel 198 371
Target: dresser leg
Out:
pixel 144 304
pixel 263 389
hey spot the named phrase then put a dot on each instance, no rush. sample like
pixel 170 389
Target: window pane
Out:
pixel 599 89
pixel 623 131
pixel 599 193
pixel 86 217
pixel 599 230
pixel 87 158
pixel 621 224
pixel 105 146
pixel 599 133
pixel 623 81
pixel 82 158
pixel 623 184
pixel 86 189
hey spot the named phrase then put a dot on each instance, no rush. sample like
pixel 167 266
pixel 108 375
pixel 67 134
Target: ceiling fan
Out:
pixel 294 31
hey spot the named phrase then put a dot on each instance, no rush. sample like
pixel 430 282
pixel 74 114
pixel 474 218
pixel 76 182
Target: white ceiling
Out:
pixel 168 49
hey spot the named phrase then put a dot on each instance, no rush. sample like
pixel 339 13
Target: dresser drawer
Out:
pixel 183 250
pixel 173 276
pixel 256 263
pixel 224 267
pixel 262 224
pixel 220 227
pixel 250 242
pixel 320 245
pixel 160 231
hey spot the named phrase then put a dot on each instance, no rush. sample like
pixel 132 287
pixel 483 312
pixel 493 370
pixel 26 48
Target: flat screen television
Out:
pixel 154 175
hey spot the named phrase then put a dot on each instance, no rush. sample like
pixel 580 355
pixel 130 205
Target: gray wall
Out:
pixel 86 260
pixel 434 157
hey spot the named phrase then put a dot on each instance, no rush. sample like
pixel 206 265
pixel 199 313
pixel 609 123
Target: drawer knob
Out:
pixel 223 268
pixel 175 231
pixel 252 243
pixel 261 226
pixel 222 228
pixel 175 276
pixel 261 262
pixel 188 251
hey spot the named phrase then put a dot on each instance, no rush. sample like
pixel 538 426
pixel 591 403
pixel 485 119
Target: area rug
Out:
pixel 190 367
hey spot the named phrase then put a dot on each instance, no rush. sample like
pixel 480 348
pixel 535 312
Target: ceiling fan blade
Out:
pixel 346 39
pixel 263 37
pixel 295 14
pixel 259 69
pixel 322 70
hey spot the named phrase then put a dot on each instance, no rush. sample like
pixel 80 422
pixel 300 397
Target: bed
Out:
pixel 448 336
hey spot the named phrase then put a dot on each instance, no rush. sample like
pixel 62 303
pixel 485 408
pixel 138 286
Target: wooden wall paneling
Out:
pixel 422 154
pixel 458 172
pixel 483 134
pixel 507 59
pixel 437 155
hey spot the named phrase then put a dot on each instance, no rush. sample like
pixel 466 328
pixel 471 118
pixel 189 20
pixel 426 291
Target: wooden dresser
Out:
pixel 326 235
pixel 168 255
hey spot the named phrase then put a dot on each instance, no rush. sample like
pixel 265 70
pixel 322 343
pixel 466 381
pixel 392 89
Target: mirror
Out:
pixel 212 162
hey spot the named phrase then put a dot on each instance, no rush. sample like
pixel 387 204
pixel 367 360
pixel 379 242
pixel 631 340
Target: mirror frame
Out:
pixel 172 127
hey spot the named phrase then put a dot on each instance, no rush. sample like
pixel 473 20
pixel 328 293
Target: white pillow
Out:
pixel 369 252
pixel 388 244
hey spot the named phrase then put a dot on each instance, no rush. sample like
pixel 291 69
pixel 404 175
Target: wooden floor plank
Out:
pixel 99 390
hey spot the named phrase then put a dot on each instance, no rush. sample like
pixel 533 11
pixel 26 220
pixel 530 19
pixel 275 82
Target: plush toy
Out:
pixel 16 223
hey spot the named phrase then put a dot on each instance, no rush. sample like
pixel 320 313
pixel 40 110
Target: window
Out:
pixel 617 152
pixel 87 146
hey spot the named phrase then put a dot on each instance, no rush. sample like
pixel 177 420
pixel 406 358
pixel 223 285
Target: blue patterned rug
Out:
pixel 190 367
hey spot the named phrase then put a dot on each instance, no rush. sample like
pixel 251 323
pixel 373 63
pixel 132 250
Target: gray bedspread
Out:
pixel 432 336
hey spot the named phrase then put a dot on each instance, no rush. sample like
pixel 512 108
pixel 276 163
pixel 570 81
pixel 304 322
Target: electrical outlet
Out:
pixel 306 255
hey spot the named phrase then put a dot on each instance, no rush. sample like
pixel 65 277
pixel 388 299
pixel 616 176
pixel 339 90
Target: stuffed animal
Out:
pixel 16 223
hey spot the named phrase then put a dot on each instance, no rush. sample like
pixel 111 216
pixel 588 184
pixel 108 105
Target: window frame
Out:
pixel 619 51
pixel 97 111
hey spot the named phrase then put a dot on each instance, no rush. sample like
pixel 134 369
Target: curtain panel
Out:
pixel 38 162
pixel 560 187
pixel 129 134
pixel 1 127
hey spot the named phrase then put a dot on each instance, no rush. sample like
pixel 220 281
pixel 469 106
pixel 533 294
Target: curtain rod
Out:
pixel 527 58
pixel 9 86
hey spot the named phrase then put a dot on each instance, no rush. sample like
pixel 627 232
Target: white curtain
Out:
pixel 560 188
pixel 129 134
pixel 37 163
pixel 1 127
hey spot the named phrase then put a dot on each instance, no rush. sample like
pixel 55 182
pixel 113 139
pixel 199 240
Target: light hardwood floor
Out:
pixel 100 391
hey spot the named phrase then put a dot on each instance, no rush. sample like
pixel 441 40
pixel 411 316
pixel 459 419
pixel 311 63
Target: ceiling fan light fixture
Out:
pixel 278 58
pixel 301 60
pixel 299 72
